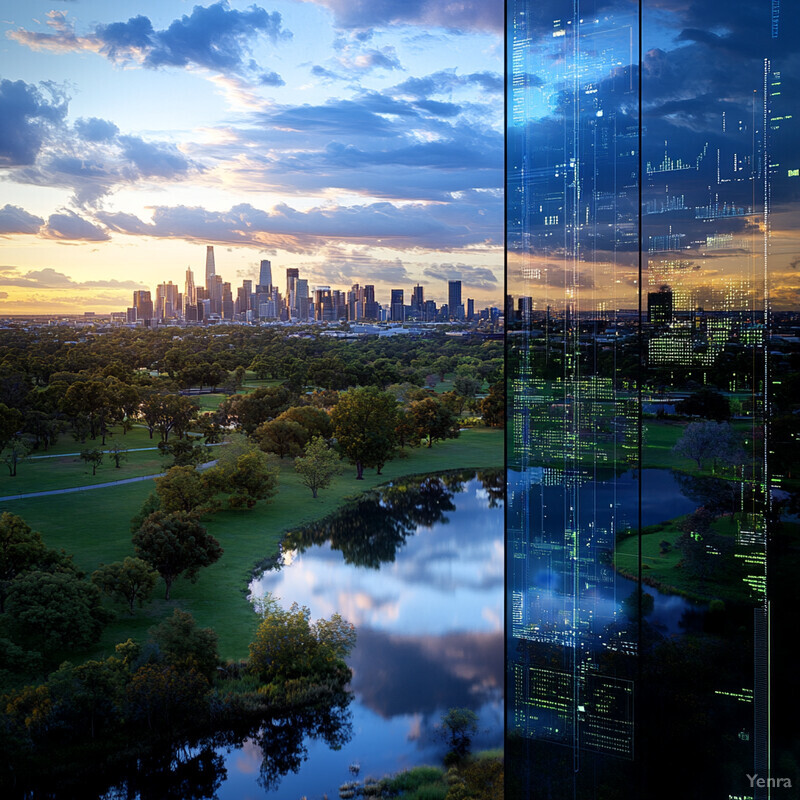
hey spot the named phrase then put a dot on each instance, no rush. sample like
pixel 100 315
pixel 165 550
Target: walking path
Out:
pixel 127 450
pixel 93 485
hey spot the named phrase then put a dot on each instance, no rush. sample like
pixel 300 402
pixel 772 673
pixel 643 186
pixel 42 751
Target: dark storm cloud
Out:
pixel 94 129
pixel 69 226
pixel 216 37
pixel 26 116
pixel 14 219
pixel 477 15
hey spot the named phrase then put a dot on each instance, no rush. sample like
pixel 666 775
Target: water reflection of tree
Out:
pixel 181 772
pixel 494 484
pixel 370 531
pixel 719 496
pixel 282 742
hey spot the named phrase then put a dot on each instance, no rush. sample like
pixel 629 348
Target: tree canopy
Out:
pixel 175 544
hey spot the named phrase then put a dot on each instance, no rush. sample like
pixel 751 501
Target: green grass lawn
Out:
pixel 663 569
pixel 95 527
pixel 66 472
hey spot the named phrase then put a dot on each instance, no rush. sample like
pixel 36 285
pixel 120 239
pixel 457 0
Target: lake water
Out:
pixel 424 588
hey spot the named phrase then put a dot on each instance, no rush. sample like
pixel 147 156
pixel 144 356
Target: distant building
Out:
pixel 396 307
pixel 265 273
pixel 659 305
pixel 143 304
pixel 454 307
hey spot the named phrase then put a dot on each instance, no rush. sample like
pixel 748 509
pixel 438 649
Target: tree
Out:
pixel 118 453
pixel 184 489
pixel 175 544
pixel 466 385
pixel 163 696
pixel 364 423
pixel 244 473
pixel 704 441
pixel 288 647
pixel 284 437
pixel 315 421
pixel 21 549
pixel 186 646
pixel 706 403
pixel 184 452
pixel 493 406
pixel 10 423
pixel 55 610
pixel 433 420
pixel 128 581
pixel 16 452
pixel 92 456
pixel 318 465
pixel 459 725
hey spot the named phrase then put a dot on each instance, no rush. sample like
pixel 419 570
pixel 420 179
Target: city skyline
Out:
pixel 263 299
pixel 135 134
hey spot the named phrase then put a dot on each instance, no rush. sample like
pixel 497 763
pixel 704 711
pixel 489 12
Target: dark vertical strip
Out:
pixel 639 427
pixel 507 699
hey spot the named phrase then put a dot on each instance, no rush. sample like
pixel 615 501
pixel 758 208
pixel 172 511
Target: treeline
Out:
pixel 50 384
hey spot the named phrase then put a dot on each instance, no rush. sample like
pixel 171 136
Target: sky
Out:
pixel 703 89
pixel 358 140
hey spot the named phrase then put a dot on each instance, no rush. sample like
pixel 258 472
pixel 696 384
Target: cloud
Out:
pixel 476 277
pixel 214 37
pixel 70 226
pixel 48 278
pixel 445 81
pixel 476 15
pixel 3 295
pixel 153 160
pixel 271 79
pixel 382 224
pixel 26 117
pixel 355 60
pixel 94 129
pixel 14 219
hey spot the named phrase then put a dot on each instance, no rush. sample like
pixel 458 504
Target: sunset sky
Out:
pixel 359 141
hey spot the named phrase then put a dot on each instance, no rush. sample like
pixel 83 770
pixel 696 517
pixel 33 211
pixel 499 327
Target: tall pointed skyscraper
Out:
pixel 211 270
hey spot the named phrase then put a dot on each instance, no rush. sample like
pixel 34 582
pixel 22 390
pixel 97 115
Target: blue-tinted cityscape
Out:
pixel 651 314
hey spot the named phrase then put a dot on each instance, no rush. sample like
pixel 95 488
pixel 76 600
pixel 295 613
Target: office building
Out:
pixel 397 312
pixel 143 305
pixel 211 269
pixel 454 307
pixel 265 273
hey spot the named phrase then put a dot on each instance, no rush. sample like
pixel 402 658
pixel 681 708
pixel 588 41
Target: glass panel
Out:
pixel 653 397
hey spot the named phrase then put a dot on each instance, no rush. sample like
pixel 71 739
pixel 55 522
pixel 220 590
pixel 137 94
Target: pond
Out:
pixel 418 568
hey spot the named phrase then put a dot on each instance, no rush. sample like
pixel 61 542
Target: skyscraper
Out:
pixel 143 305
pixel 396 307
pixel 265 273
pixel 417 301
pixel 371 310
pixel 189 293
pixel 454 306
pixel 211 269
